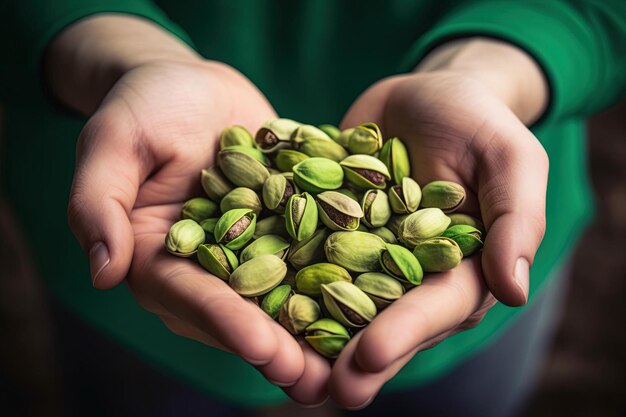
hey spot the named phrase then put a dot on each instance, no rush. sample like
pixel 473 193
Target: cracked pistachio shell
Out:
pixel 381 288
pixel 301 216
pixel 258 276
pixel 308 251
pixel 241 197
pixel 438 254
pixel 316 147
pixel 236 135
pixel 272 225
pixel 318 174
pixel 184 237
pixel 309 279
pixel 332 131
pixel 376 209
pixel 365 171
pixel 218 260
pixel 349 193
pixel 235 228
pixel 395 156
pixel 460 218
pixel 244 167
pixel 467 237
pixel 298 313
pixel 268 244
pixel 327 336
pixel 348 304
pixel 198 209
pixel 365 139
pixel 356 251
pixel 405 198
pixel 287 158
pixel 276 192
pixel 305 132
pixel 422 225
pixel 384 233
pixel 275 134
pixel 274 300
pixel 214 183
pixel 338 211
pixel 401 264
pixel 445 195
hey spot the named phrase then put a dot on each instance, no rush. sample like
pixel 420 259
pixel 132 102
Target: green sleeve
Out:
pixel 580 45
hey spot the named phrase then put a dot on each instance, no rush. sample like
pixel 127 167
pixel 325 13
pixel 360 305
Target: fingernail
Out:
pixel 361 406
pixel 313 405
pixel 282 384
pixel 522 270
pixel 98 260
pixel 256 362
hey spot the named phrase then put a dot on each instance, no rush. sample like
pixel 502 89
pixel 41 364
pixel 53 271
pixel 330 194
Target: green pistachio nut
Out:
pixel 209 227
pixel 308 251
pixel 376 209
pixel 235 228
pixel 461 218
pixel 344 137
pixel 323 148
pixel 275 134
pixel 348 304
pixel 395 156
pixel 301 216
pixel 298 313
pixel 394 223
pixel 405 198
pixel 401 264
pixel 244 167
pixel 309 279
pixel 236 135
pixel 446 195
pixel 218 260
pixel 198 209
pixel 318 174
pixel 365 139
pixel 338 211
pixel 385 234
pixel 184 237
pixel 272 225
pixel 356 251
pixel 333 132
pixel 467 237
pixel 274 300
pixel 327 336
pixel 422 225
pixel 268 244
pixel 438 254
pixel 381 288
pixel 276 192
pixel 241 197
pixel 365 172
pixel 287 158
pixel 258 276
pixel 214 183
pixel 305 132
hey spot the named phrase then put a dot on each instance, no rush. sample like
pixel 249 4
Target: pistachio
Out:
pixel 290 278
pixel 241 197
pixel 214 183
pixel 287 158
pixel 236 135
pixel 218 260
pixel 235 228
pixel 467 237
pixel 327 336
pixel 446 195
pixel 356 251
pixel 301 216
pixel 276 192
pixel 275 134
pixel 309 279
pixel 184 237
pixel 308 251
pixel 268 244
pixel 274 300
pixel 376 210
pixel 208 225
pixel 421 225
pixel 395 156
pixel 318 174
pixel 198 209
pixel 365 171
pixel 338 211
pixel 394 223
pixel 305 132
pixel 365 139
pixel 344 137
pixel 298 313
pixel 258 276
pixel 438 254
pixel 381 288
pixel 332 131
pixel 348 304
pixel 460 218
pixel 401 264
pixel 244 167
pixel 272 225
pixel 406 197
pixel 317 147
pixel 349 193
pixel 384 233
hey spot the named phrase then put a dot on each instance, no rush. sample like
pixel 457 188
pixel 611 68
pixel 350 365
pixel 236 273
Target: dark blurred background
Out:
pixel 47 369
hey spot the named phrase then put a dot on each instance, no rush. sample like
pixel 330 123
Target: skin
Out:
pixel 155 112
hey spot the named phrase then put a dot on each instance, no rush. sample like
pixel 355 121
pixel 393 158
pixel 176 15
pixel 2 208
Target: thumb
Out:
pixel 512 181
pixel 103 193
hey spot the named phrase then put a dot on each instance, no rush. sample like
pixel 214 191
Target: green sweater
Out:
pixel 311 59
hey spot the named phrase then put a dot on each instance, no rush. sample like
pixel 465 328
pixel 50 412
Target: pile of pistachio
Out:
pixel 321 228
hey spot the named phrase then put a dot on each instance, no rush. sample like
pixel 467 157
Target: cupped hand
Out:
pixel 139 158
pixel 456 129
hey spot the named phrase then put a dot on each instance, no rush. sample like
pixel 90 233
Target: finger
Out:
pixel 311 390
pixel 512 181
pixel 288 364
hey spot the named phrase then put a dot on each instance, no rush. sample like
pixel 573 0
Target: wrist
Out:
pixel 505 70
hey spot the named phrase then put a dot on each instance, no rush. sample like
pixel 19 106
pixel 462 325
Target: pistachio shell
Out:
pixel 272 225
pixel 236 135
pixel 423 224
pixel 275 134
pixel 327 336
pixel 338 211
pixel 344 137
pixel 406 197
pixel 298 313
pixel 241 197
pixel 356 251
pixel 258 276
pixel 218 260
pixel 401 264
pixel 243 167
pixel 467 237
pixel 235 228
pixel 214 183
pixel 394 223
pixel 287 158
pixel 348 304
pixel 309 279
pixel 365 171
pixel 184 237
pixel 209 224
pixel 365 139
pixel 308 251
pixel 460 218
pixel 349 193
pixel 396 157
pixel 305 132
pixel 301 216
pixel 318 174
pixel 268 244
pixel 198 209
pixel 384 233
pixel 324 148
pixel 274 300
pixel 381 288
pixel 445 195
pixel 438 254
pixel 333 132
pixel 276 191
pixel 376 209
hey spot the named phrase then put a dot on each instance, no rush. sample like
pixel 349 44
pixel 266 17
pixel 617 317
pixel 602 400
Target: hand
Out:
pixel 457 127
